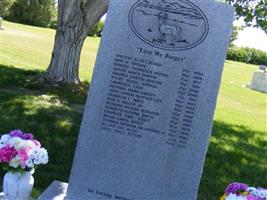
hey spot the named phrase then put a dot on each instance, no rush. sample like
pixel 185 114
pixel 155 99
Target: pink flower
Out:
pixel 7 153
pixel 252 197
pixel 37 143
pixel 23 156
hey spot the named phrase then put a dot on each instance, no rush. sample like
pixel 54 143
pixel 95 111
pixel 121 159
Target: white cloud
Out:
pixel 252 37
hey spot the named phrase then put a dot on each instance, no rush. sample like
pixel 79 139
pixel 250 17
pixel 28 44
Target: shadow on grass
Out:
pixel 47 113
pixel 236 154
pixel 56 127
pixel 23 81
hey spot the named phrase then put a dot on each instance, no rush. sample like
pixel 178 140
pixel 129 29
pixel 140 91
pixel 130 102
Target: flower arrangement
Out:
pixel 20 152
pixel 241 191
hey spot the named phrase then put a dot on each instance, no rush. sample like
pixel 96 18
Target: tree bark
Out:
pixel 75 18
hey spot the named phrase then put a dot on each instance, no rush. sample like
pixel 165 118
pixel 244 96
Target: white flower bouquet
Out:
pixel 20 152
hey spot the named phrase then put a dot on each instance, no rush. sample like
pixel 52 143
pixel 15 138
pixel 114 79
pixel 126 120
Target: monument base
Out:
pixel 2 196
pixel 259 81
pixel 56 191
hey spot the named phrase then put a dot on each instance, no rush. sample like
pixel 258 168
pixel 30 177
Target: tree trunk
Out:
pixel 75 18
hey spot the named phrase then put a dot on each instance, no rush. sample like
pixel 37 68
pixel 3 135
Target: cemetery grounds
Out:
pixel 238 146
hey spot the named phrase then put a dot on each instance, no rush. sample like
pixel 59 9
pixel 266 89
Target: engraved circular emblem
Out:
pixel 169 24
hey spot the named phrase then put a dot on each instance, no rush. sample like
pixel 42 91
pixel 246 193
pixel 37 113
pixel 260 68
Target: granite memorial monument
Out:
pixel 148 118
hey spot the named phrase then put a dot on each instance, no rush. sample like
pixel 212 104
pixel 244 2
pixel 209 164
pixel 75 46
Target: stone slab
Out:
pixel 2 196
pixel 1 22
pixel 148 117
pixel 259 81
pixel 56 191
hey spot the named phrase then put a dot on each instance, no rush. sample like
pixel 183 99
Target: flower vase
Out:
pixel 18 186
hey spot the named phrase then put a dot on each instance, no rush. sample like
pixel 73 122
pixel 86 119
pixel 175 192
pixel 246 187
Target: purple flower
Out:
pixel 20 134
pixel 27 136
pixel 16 133
pixel 236 188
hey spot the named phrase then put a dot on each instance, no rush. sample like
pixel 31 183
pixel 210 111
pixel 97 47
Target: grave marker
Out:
pixel 149 113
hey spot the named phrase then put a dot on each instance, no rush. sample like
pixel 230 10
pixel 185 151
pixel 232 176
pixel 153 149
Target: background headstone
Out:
pixel 259 80
pixel 262 68
pixel 1 22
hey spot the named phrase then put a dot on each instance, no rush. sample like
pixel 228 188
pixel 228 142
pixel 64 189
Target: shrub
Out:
pixel 53 24
pixel 247 55
pixel 97 29
pixel 33 12
pixel 5 6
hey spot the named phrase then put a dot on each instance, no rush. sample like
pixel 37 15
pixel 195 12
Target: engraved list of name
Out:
pixel 136 82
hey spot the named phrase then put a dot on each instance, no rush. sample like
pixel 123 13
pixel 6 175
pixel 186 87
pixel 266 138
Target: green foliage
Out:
pixel 97 29
pixel 247 55
pixel 253 11
pixel 7 168
pixel 33 12
pixel 53 24
pixel 5 6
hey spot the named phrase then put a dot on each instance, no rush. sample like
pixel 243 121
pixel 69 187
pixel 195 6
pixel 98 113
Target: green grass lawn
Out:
pixel 28 47
pixel 238 148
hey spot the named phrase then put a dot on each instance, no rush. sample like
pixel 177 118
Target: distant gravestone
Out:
pixel 1 22
pixel 259 80
pixel 149 113
pixel 262 68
